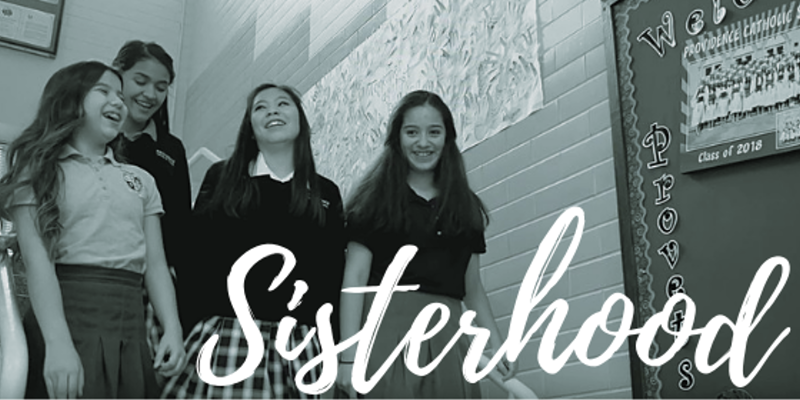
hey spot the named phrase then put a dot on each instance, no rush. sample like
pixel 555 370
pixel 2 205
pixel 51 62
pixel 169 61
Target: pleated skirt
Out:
pixel 274 378
pixel 104 312
pixel 446 380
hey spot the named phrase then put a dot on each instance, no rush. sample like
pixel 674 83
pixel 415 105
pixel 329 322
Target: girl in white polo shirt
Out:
pixel 87 226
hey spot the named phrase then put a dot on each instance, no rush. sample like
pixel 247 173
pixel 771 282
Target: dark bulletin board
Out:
pixel 31 25
pixel 707 177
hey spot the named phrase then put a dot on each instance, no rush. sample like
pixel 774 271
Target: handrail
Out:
pixel 203 152
pixel 13 346
pixel 515 388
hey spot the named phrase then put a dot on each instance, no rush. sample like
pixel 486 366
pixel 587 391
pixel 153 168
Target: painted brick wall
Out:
pixel 527 174
pixel 90 30
pixel 560 156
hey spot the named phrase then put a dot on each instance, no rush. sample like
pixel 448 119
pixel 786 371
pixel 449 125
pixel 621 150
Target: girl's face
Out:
pixel 146 85
pixel 422 138
pixel 103 109
pixel 274 117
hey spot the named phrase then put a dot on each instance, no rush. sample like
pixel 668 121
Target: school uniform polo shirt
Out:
pixel 102 207
pixel 439 266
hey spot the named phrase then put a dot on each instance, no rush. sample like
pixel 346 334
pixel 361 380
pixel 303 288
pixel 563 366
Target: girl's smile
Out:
pixel 146 85
pixel 104 111
pixel 274 117
pixel 422 138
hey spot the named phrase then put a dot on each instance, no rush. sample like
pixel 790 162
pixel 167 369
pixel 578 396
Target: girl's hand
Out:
pixel 63 372
pixel 344 379
pixel 170 348
pixel 507 369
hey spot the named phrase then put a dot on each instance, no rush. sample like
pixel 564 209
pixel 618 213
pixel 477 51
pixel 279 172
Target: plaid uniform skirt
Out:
pixel 104 313
pixel 273 379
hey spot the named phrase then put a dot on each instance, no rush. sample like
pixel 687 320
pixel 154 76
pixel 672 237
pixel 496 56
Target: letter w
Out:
pixel 662 35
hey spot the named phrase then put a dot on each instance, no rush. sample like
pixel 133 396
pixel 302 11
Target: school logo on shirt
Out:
pixel 133 181
pixel 166 157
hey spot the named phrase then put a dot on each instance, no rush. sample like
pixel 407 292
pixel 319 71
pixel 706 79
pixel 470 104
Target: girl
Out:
pixel 147 73
pixel 146 142
pixel 87 226
pixel 417 194
pixel 268 191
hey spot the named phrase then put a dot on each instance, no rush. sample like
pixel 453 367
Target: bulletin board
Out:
pixel 31 25
pixel 705 102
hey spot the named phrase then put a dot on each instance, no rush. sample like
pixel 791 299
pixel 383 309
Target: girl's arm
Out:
pixel 162 294
pixel 63 370
pixel 356 274
pixel 476 300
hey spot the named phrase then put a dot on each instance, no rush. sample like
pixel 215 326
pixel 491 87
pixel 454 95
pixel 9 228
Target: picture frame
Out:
pixel 32 26
pixel 742 91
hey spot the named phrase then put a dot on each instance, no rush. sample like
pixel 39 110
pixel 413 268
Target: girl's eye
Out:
pixel 258 107
pixel 436 132
pixel 283 103
pixel 161 88
pixel 411 132
pixel 140 82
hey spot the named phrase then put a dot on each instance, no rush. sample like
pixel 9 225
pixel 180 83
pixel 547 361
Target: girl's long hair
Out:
pixel 33 156
pixel 136 50
pixel 236 193
pixel 380 197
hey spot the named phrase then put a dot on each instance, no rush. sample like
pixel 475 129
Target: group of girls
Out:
pixel 98 189
pixel 746 89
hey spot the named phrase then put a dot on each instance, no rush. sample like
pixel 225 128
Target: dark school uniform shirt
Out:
pixel 164 157
pixel 220 240
pixel 439 266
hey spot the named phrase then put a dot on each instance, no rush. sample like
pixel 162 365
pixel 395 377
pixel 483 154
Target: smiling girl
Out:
pixel 417 194
pixel 147 73
pixel 268 191
pixel 146 141
pixel 89 233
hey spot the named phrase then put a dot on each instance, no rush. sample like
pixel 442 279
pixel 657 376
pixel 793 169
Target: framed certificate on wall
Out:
pixel 31 25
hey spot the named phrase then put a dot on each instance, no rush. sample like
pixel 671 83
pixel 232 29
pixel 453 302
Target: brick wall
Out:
pixel 90 30
pixel 527 174
pixel 560 156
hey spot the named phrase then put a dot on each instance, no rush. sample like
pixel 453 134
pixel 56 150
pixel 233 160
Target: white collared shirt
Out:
pixel 259 167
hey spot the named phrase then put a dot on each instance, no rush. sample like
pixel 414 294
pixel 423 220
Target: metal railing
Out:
pixel 13 346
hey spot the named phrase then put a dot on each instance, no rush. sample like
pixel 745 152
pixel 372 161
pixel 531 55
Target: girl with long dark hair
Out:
pixel 266 192
pixel 417 194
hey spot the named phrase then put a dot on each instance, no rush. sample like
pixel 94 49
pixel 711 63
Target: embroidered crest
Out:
pixel 133 181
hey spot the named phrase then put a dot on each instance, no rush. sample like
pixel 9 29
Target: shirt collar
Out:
pixel 149 129
pixel 68 151
pixel 259 167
